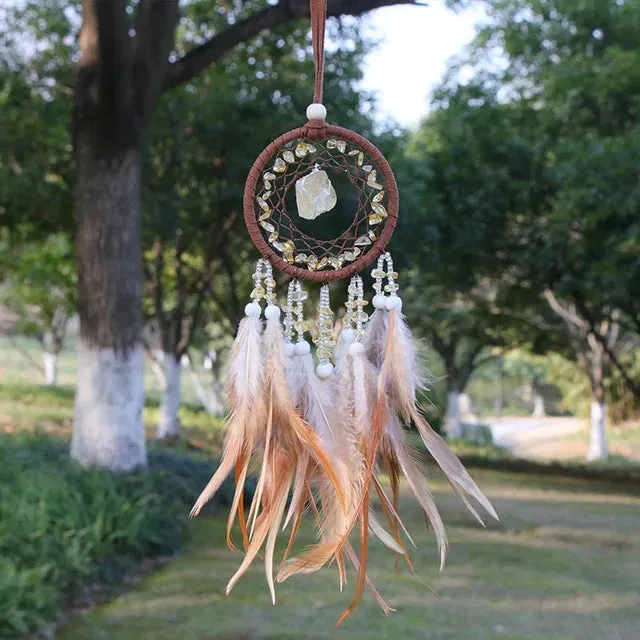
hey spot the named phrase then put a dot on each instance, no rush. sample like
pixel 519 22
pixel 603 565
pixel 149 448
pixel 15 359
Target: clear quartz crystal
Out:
pixel 315 194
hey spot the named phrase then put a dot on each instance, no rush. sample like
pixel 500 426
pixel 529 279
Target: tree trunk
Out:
pixel 597 439
pixel 499 386
pixel 168 423
pixel 452 424
pixel 539 410
pixel 50 361
pixel 108 429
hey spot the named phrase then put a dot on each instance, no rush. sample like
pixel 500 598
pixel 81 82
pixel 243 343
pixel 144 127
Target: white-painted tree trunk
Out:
pixel 212 401
pixel 50 361
pixel 168 423
pixel 452 425
pixel 539 410
pixel 108 430
pixel 598 441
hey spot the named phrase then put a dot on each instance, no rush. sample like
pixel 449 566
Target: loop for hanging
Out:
pixel 318 9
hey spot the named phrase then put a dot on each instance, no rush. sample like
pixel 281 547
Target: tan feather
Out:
pixel 245 399
pixel 400 376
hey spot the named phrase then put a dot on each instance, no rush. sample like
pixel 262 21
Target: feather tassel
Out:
pixel 288 441
pixel 400 376
pixel 246 375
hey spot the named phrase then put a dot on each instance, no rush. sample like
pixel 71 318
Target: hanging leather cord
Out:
pixel 318 10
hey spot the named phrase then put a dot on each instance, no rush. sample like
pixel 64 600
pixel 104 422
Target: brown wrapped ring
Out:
pixel 290 157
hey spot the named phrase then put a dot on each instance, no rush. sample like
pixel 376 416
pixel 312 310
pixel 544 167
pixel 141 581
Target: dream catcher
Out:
pixel 323 426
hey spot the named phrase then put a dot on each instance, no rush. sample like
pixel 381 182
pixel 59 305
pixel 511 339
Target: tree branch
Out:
pixel 155 27
pixel 196 60
pixel 568 315
pixel 632 385
pixel 115 56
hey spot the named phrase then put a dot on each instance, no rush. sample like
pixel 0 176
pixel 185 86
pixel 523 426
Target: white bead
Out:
pixel 380 301
pixel 394 303
pixel 272 312
pixel 324 370
pixel 356 347
pixel 302 348
pixel 316 111
pixel 348 335
pixel 252 310
pixel 289 349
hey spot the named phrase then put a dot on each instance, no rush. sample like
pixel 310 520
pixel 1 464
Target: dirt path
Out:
pixel 535 437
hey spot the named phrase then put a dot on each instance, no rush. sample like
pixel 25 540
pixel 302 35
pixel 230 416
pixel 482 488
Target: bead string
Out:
pixel 325 343
pixel 356 316
pixel 380 300
pixel 288 313
pixel 300 295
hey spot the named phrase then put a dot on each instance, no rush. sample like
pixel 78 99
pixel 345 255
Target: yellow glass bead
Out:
pixel 279 165
pixel 302 148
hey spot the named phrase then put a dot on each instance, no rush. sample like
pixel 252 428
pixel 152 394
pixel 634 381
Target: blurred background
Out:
pixel 127 130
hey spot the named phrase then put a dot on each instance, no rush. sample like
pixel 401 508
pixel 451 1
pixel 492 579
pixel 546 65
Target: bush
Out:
pixel 60 524
pixel 479 433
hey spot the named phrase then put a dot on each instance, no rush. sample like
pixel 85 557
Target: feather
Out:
pixel 375 337
pixel 246 374
pixel 400 376
pixel 295 445
pixel 418 484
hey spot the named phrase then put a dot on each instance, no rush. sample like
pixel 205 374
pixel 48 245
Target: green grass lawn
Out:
pixel 562 564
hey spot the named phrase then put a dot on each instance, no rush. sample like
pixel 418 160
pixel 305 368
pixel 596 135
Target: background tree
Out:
pixel 127 55
pixel 571 69
pixel 196 246
pixel 471 166
pixel 40 290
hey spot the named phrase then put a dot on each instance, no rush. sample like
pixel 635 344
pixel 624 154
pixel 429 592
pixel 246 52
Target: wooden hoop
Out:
pixel 318 130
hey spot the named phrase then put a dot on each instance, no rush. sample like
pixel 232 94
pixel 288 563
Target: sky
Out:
pixel 415 44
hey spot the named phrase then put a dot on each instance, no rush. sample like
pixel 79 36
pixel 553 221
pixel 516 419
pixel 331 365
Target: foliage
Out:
pixel 40 289
pixel 35 100
pixel 60 523
pixel 203 138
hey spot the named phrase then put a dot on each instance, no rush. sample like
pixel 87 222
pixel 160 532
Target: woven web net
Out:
pixel 297 240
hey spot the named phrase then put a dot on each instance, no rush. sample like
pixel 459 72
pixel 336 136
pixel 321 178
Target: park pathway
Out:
pixel 534 437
